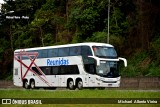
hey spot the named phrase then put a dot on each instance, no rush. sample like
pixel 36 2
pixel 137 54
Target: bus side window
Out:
pixel 36 70
pixel 74 51
pixel 39 53
pixel 69 69
pixel 44 53
pixel 90 68
pixel 46 70
pixel 24 57
pixel 52 52
pixel 89 64
pixel 64 70
pixel 54 70
pixel 55 52
pixel 63 52
pixel 74 69
pixel 86 51
pixel 33 51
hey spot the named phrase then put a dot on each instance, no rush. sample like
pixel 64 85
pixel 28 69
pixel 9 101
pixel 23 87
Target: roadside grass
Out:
pixel 86 93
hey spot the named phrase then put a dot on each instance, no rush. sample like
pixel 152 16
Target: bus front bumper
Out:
pixel 109 82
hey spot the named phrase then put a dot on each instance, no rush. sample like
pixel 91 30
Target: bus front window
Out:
pixel 104 52
pixel 108 69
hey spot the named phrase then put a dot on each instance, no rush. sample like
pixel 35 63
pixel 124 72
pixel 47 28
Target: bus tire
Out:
pixel 80 85
pixel 71 85
pixel 32 84
pixel 26 86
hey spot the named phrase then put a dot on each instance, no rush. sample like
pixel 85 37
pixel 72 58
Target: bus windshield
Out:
pixel 104 52
pixel 107 69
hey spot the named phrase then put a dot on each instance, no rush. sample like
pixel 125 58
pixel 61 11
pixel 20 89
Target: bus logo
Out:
pixel 51 62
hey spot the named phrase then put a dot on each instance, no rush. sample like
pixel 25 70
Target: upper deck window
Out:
pixel 104 52
pixel 86 51
pixel 63 52
pixel 52 52
pixel 74 51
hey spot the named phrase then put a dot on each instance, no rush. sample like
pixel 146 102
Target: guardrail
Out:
pixel 141 82
pixel 6 83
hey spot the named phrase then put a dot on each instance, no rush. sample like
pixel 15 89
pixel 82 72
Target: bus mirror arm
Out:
pixel 119 58
pixel 124 60
pixel 98 62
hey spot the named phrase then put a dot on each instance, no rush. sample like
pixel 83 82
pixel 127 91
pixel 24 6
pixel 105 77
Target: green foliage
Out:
pixel 53 22
pixel 155 48
pixel 48 39
pixel 3 45
pixel 98 37
pixel 9 76
pixel 141 64
pixel 154 70
pixel 134 67
pixel 117 41
pixel 85 19
pixel 76 39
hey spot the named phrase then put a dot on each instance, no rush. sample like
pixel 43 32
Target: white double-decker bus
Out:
pixel 72 66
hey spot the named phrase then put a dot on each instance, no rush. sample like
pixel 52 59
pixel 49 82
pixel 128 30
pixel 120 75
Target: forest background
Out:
pixel 134 29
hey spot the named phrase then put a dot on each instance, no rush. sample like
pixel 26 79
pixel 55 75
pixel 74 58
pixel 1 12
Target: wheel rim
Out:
pixel 80 84
pixel 32 84
pixel 26 84
pixel 71 84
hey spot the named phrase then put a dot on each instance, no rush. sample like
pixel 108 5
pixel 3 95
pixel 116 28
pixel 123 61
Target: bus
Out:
pixel 72 65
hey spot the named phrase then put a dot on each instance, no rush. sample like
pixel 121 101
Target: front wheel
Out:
pixel 71 85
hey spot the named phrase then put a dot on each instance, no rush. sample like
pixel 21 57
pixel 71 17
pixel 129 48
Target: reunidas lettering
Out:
pixel 60 61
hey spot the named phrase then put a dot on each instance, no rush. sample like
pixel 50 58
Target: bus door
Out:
pixel 17 77
pixel 90 69
pixel 91 80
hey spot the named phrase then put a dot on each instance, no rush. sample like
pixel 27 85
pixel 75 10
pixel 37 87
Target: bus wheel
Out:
pixel 26 86
pixel 32 84
pixel 71 85
pixel 80 85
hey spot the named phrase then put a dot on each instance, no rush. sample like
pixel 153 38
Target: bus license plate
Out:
pixel 109 85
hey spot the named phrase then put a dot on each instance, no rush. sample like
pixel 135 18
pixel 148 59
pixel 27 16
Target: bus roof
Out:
pixel 67 45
